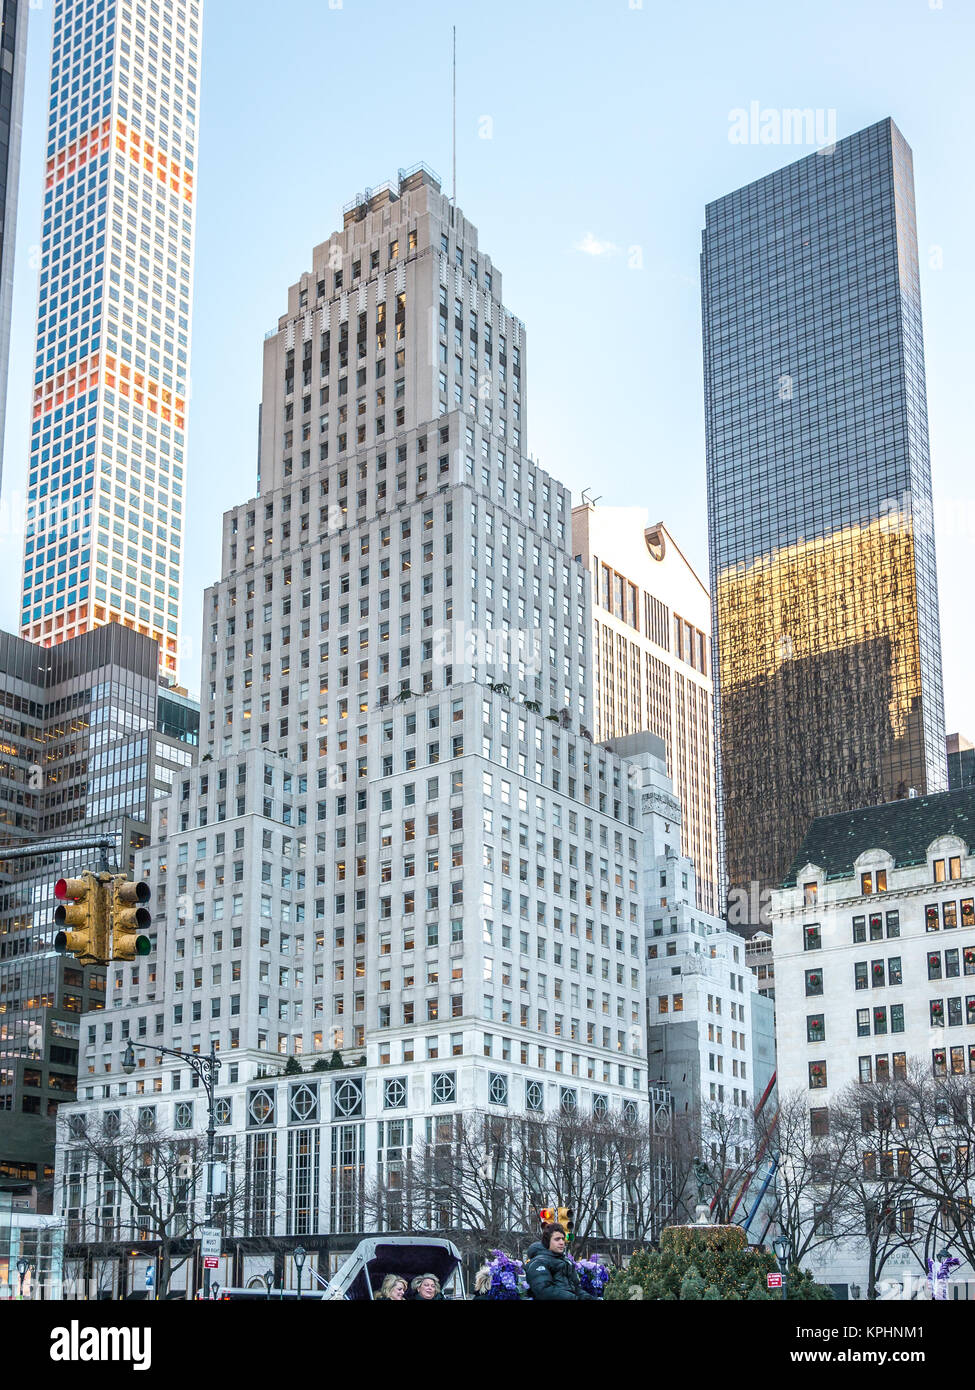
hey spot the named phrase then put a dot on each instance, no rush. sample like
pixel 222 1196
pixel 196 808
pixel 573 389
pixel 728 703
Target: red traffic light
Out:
pixel 547 1216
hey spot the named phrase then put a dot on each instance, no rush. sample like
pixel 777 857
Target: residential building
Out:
pixel 14 17
pixel 82 758
pixel 105 493
pixel 823 584
pixel 651 662
pixel 961 761
pixel 874 943
pixel 390 850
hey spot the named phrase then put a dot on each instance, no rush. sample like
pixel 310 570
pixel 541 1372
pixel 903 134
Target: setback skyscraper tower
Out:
pixel 108 434
pixel 823 583
pixel 400 853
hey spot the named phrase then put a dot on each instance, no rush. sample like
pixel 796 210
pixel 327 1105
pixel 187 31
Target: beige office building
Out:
pixel 651 664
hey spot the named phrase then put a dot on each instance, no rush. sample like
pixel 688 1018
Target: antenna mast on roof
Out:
pixel 453 196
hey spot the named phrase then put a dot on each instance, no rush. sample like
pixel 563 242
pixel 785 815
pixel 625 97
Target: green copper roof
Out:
pixel 903 828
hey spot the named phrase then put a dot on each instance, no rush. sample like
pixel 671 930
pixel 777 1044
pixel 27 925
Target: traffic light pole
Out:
pixel 43 847
pixel 206 1068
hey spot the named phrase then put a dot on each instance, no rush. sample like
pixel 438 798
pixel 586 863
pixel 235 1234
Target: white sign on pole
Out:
pixel 210 1240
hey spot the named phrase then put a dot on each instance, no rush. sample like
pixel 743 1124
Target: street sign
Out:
pixel 210 1240
pixel 774 1281
pixel 210 1262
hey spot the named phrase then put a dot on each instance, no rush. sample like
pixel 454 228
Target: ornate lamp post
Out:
pixel 782 1251
pixel 299 1259
pixel 207 1069
pixel 269 1280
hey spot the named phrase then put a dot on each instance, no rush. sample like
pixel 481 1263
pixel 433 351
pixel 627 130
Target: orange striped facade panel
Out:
pixel 65 385
pixel 144 391
pixel 119 376
pixel 141 151
pixel 78 153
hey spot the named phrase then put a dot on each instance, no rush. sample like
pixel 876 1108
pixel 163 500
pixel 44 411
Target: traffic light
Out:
pixel 546 1216
pixel 82 911
pixel 131 919
pixel 567 1222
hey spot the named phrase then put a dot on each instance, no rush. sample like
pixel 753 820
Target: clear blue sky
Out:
pixel 608 125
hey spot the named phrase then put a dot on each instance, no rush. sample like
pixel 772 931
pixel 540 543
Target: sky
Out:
pixel 590 136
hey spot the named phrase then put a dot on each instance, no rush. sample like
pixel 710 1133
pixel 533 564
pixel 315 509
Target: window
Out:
pixel 815 1028
pixel 811 938
pixel 814 982
pixel 819 1122
pixel 817 1075
pixel 443 1088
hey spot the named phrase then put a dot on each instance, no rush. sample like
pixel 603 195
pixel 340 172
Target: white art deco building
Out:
pixel 398 845
pixel 105 495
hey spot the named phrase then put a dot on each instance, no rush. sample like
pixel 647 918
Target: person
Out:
pixel 550 1272
pixel 393 1289
pixel 426 1289
pixel 482 1283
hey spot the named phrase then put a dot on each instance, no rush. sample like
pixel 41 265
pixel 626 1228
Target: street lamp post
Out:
pixel 207 1069
pixel 299 1259
pixel 22 1268
pixel 269 1280
pixel 782 1251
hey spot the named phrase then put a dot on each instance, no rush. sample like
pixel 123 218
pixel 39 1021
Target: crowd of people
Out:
pixel 550 1272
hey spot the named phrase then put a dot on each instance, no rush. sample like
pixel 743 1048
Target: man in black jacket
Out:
pixel 551 1274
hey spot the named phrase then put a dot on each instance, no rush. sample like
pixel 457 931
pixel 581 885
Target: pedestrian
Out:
pixel 426 1289
pixel 482 1283
pixel 550 1272
pixel 393 1289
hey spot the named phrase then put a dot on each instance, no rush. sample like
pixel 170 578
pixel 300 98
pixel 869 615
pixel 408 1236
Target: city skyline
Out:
pixel 227 376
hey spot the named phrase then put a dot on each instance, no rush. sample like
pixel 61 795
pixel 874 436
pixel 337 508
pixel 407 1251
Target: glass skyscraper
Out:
pixel 105 493
pixel 823 582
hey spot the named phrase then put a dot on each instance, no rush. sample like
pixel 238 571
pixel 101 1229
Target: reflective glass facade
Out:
pixel 824 591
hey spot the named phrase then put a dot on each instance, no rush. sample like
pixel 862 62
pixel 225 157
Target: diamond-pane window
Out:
pixel 444 1088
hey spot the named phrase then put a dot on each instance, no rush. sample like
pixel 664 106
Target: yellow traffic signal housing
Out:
pixel 82 910
pixel 567 1222
pixel 131 919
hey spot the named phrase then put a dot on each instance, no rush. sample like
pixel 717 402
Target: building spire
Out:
pixel 453 194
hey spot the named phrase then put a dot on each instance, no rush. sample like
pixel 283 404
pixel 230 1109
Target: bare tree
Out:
pixel 941 1138
pixel 810 1176
pixel 150 1185
pixel 869 1145
pixel 484 1178
pixel 728 1151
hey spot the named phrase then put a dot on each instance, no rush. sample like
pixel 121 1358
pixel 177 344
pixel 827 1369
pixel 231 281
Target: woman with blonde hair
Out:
pixel 426 1289
pixel 393 1289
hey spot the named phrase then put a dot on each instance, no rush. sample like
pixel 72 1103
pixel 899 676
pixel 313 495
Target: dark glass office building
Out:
pixel 825 605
